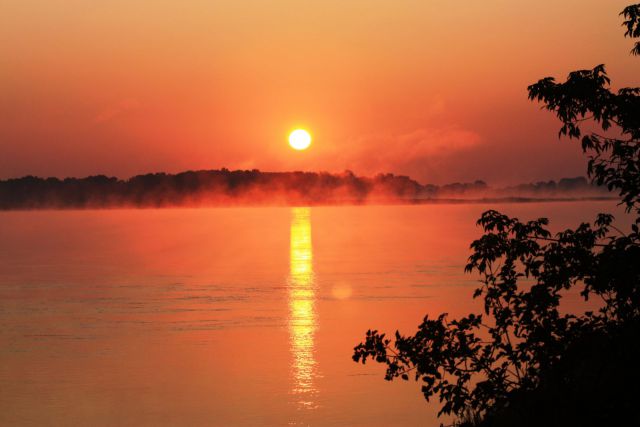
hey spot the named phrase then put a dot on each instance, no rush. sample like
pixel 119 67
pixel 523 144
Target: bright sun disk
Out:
pixel 299 139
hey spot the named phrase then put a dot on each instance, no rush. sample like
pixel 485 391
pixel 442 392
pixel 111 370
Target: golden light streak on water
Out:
pixel 302 314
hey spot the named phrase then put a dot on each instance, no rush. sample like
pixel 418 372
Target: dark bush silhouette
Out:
pixel 524 361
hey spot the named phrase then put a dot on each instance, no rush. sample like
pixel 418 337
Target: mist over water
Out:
pixel 228 316
pixel 207 188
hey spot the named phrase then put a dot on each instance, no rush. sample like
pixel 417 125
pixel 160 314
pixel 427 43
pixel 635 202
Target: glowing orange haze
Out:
pixel 433 89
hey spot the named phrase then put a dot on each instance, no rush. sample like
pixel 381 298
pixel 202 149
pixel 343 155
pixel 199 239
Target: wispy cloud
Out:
pixel 388 152
pixel 111 112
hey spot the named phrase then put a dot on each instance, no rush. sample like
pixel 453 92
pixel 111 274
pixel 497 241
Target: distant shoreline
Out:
pixel 519 200
pixel 449 201
pixel 224 187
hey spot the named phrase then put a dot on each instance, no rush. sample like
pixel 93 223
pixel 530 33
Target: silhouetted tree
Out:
pixel 205 187
pixel 215 187
pixel 525 361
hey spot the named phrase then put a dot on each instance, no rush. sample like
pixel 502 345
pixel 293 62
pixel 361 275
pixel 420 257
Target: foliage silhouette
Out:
pixel 525 361
pixel 225 187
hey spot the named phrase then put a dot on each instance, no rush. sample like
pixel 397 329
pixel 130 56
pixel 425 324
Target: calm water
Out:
pixel 227 317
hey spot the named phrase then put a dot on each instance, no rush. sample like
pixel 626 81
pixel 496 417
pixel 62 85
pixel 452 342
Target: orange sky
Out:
pixel 430 88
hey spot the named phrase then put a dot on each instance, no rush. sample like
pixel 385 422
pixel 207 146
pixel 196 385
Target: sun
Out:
pixel 299 139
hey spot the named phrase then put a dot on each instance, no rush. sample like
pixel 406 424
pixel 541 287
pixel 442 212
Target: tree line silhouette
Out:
pixel 224 187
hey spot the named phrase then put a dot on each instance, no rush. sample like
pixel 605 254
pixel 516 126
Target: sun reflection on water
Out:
pixel 302 314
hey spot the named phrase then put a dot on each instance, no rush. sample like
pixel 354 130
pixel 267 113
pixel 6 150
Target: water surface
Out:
pixel 227 317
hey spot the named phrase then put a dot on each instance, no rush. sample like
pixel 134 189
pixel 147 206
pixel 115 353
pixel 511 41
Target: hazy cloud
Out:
pixel 376 153
pixel 113 111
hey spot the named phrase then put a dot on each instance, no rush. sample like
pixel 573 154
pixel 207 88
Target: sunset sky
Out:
pixel 434 89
